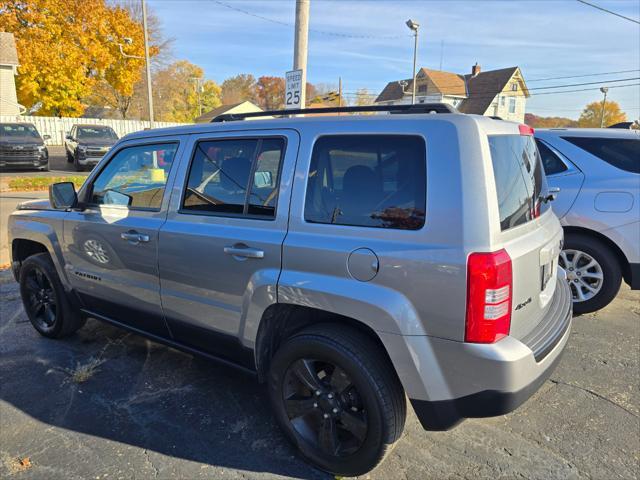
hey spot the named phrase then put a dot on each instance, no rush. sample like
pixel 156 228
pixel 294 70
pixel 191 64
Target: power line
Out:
pixel 583 75
pixel 323 32
pixel 609 11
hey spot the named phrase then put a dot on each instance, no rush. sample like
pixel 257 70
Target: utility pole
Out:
pixel 413 26
pixel 339 92
pixel 300 46
pixel 604 103
pixel 147 62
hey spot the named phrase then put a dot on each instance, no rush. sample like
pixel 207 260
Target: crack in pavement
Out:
pixel 595 394
pixel 156 472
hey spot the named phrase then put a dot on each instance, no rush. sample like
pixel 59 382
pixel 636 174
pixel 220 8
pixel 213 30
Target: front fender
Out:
pixel 44 232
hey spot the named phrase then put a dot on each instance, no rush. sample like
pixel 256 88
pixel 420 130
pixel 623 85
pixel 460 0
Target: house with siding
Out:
pixel 8 70
pixel 497 93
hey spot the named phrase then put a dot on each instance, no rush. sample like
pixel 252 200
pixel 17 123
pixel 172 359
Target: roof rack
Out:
pixel 419 108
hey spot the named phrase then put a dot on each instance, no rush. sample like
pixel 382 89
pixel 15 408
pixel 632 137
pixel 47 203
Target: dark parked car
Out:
pixel 87 144
pixel 21 146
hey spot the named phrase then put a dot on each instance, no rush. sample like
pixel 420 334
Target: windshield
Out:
pixel 96 133
pixel 15 130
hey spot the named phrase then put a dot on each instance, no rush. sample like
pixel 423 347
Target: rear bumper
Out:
pixel 486 380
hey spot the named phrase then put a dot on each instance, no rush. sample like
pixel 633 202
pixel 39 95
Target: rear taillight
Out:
pixel 489 293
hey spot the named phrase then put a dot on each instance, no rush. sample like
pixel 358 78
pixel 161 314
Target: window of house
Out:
pixel 502 101
pixel 135 177
pixel 514 87
pixel 368 180
pixel 235 177
pixel 512 105
pixel 422 88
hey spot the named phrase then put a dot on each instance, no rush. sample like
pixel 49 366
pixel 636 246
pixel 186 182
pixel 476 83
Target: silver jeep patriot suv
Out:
pixel 347 261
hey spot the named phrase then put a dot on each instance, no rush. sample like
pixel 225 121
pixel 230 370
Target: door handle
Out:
pixel 243 251
pixel 134 237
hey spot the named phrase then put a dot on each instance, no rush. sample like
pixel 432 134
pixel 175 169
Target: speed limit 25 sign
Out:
pixel 293 92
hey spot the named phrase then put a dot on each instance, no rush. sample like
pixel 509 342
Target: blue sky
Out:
pixel 546 38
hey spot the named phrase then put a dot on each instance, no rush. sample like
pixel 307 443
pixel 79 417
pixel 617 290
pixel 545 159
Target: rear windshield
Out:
pixel 622 153
pixel 96 133
pixel 14 130
pixel 517 169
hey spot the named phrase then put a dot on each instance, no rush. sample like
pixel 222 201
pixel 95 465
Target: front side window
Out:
pixel 237 177
pixel 368 180
pixel 135 177
pixel 622 153
pixel 550 161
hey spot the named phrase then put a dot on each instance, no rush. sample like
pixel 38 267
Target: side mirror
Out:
pixel 68 136
pixel 46 137
pixel 63 196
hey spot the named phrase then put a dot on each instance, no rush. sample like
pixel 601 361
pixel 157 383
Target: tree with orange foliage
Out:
pixel 270 92
pixel 68 47
pixel 591 116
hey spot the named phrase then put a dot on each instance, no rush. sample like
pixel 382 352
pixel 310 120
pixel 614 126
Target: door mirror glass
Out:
pixel 63 195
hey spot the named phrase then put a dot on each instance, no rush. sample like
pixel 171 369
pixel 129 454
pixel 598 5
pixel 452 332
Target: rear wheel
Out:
pixel 593 272
pixel 337 398
pixel 45 300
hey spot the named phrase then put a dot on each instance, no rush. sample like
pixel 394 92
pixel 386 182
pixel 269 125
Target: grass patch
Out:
pixel 84 371
pixel 22 184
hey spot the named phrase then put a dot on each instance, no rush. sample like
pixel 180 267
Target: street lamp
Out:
pixel 604 102
pixel 413 26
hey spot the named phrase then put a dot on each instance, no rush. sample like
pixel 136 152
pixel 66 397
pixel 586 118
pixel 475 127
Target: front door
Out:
pixel 221 245
pixel 111 246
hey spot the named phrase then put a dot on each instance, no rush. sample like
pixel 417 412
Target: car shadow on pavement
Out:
pixel 138 393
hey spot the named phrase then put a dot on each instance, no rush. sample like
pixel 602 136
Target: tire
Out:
pixel 63 320
pixel 69 157
pixel 607 266
pixel 365 390
pixel 76 165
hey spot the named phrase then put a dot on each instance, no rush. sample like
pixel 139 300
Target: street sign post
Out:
pixel 293 91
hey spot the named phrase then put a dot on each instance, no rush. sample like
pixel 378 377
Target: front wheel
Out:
pixel 593 272
pixel 44 299
pixel 337 398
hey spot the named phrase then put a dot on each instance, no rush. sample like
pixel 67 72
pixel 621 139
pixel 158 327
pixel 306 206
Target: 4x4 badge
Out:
pixel 523 304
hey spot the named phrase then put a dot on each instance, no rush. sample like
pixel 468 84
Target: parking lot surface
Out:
pixel 106 404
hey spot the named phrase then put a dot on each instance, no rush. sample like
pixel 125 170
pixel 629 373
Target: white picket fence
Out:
pixel 57 128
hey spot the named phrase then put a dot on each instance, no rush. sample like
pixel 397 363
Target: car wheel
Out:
pixel 337 398
pixel 593 272
pixel 76 164
pixel 45 300
pixel 69 157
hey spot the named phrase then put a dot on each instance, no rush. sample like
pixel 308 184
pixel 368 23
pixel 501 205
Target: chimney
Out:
pixel 475 70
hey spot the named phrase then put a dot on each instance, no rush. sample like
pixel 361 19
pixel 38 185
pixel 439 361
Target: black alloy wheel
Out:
pixel 324 407
pixel 40 301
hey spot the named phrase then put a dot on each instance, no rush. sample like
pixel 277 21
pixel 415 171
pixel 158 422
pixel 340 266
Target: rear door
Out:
pixel 220 248
pixel 529 231
pixel 562 175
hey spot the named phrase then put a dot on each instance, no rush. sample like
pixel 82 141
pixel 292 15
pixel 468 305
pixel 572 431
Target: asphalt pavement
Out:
pixel 143 410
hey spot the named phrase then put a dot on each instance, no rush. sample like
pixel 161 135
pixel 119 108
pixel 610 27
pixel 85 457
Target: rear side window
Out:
pixel 517 169
pixel 622 153
pixel 551 162
pixel 235 177
pixel 368 180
